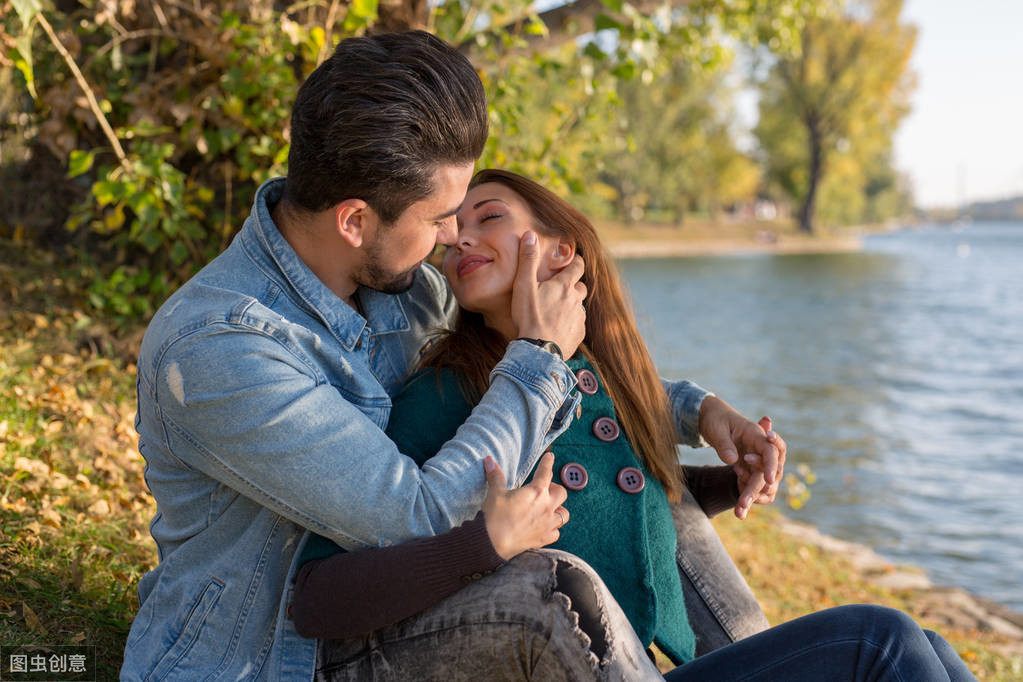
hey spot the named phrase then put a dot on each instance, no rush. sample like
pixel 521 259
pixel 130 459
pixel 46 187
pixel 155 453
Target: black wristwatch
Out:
pixel 548 346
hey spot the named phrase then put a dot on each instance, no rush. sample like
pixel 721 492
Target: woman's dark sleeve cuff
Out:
pixel 715 488
pixel 353 593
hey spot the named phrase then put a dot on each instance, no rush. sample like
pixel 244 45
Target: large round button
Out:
pixel 587 381
pixel 606 429
pixel 574 476
pixel 631 480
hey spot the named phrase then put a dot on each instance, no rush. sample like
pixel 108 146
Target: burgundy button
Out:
pixel 574 476
pixel 587 381
pixel 606 429
pixel 631 480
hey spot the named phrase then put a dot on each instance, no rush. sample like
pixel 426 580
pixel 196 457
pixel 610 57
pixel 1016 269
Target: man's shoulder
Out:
pixel 429 304
pixel 429 285
pixel 209 303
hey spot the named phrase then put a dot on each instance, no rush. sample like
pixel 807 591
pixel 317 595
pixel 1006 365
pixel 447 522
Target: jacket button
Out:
pixel 574 476
pixel 631 480
pixel 587 381
pixel 606 429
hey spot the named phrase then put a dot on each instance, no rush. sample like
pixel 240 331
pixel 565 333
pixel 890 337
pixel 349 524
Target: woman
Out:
pixel 617 459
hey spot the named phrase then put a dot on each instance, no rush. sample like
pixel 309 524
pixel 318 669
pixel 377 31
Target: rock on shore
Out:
pixel 951 607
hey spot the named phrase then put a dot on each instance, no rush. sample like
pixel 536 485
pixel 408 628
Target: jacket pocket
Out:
pixel 205 602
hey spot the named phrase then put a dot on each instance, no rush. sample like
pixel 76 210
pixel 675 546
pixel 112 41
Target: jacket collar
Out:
pixel 264 243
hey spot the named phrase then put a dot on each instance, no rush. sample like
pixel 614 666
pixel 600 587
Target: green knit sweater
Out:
pixel 629 539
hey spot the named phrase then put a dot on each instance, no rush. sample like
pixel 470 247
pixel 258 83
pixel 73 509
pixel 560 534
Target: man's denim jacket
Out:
pixel 262 399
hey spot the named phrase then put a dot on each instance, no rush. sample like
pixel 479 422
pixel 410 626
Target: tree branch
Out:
pixel 84 85
pixel 328 32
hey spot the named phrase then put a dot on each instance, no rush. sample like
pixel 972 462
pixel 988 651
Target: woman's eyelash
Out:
pixel 487 216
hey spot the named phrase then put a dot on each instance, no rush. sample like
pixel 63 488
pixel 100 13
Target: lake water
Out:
pixel 896 373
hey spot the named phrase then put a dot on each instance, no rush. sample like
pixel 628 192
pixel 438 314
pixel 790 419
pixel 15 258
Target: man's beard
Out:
pixel 374 276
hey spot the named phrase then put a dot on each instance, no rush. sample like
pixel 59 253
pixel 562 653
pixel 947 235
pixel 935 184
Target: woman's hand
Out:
pixel 754 490
pixel 762 464
pixel 526 517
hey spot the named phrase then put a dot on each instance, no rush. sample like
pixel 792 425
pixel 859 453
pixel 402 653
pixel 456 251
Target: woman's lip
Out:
pixel 470 264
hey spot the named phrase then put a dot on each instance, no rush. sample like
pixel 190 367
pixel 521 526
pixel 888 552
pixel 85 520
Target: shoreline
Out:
pixel 947 606
pixel 682 247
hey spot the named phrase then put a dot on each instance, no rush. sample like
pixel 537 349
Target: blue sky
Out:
pixel 964 138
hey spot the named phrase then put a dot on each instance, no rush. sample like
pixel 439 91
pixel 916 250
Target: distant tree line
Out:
pixel 137 132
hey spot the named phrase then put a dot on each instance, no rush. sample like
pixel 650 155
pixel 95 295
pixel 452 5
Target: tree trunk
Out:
pixel 679 210
pixel 808 209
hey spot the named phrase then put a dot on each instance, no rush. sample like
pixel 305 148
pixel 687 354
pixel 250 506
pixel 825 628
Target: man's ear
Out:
pixel 561 256
pixel 352 218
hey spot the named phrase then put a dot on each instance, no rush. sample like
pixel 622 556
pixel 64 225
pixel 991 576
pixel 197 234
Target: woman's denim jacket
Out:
pixel 261 403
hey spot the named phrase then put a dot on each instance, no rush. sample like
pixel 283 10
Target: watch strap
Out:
pixel 548 346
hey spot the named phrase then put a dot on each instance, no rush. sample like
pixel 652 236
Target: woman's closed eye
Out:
pixel 487 216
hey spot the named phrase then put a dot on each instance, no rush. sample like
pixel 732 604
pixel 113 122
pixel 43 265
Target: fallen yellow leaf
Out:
pixel 99 508
pixel 19 505
pixel 32 466
pixel 31 619
pixel 51 517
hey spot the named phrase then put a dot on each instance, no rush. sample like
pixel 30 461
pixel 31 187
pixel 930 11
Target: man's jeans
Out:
pixel 519 623
pixel 855 642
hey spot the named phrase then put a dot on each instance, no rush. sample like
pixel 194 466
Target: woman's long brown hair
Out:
pixel 613 344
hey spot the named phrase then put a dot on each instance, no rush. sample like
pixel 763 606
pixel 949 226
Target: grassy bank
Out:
pixel 74 509
pixel 792 577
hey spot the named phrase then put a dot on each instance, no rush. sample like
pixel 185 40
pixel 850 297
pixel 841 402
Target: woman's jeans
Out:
pixel 719 603
pixel 857 642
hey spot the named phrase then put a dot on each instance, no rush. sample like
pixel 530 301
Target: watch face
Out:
pixel 552 348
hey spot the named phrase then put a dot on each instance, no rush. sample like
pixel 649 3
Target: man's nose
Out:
pixel 448 234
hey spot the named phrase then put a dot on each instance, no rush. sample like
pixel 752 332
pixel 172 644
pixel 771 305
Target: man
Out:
pixel 264 382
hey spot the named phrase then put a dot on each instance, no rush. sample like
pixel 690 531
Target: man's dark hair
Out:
pixel 375 120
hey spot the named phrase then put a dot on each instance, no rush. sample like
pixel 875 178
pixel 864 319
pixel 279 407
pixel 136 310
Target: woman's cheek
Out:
pixel 447 266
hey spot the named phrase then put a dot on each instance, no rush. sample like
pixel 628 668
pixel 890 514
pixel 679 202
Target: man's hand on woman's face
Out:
pixel 551 310
pixel 762 464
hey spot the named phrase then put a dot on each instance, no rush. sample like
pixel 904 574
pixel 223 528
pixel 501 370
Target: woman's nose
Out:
pixel 465 238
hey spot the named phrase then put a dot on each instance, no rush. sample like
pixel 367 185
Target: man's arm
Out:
pixel 685 399
pixel 262 420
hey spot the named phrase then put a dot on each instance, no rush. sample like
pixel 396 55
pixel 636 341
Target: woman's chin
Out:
pixel 490 310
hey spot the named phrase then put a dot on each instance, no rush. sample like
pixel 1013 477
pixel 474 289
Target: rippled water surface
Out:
pixel 895 373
